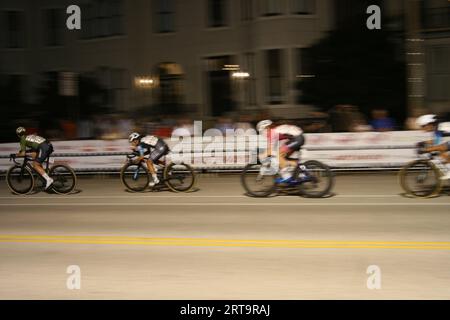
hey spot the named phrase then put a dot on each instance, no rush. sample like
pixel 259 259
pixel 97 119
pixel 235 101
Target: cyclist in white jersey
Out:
pixel 293 139
pixel 152 146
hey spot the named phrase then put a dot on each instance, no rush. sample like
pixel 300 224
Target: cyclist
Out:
pixel 430 123
pixel 293 139
pixel 150 145
pixel 39 148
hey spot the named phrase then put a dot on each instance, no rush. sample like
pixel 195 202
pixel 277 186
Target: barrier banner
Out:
pixel 339 150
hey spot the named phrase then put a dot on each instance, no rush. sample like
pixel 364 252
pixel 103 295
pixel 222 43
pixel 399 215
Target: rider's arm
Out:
pixel 23 148
pixel 140 151
pixel 440 148
pixel 269 142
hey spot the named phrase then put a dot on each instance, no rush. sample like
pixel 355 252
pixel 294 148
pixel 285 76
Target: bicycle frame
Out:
pixel 300 168
pixel 160 174
pixel 26 164
pixel 434 158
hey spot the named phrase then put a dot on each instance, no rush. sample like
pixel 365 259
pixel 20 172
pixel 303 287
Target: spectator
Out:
pixel 244 123
pixel 69 129
pixel 224 124
pixel 381 121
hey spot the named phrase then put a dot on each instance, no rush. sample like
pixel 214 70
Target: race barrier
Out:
pixel 370 150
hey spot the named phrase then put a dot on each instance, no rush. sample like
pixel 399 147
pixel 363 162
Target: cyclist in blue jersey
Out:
pixel 430 123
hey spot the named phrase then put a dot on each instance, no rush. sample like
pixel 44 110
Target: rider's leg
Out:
pixel 39 158
pixel 151 169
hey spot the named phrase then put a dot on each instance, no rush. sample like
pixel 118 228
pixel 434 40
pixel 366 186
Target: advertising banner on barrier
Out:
pixel 368 149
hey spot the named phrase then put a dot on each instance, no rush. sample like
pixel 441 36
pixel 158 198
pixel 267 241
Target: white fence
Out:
pixel 338 150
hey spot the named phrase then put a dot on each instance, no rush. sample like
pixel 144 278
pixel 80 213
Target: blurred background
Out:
pixel 156 65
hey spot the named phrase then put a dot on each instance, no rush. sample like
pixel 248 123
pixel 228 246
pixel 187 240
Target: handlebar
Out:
pixel 13 157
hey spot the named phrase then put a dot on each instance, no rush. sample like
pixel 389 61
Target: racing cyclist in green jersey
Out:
pixel 39 148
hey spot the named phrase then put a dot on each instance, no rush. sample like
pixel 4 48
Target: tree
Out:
pixel 354 65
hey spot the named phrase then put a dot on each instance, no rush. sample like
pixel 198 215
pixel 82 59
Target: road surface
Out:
pixel 216 243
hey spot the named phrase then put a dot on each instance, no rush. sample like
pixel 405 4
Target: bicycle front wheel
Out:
pixel 258 182
pixel 179 177
pixel 135 177
pixel 20 181
pixel 319 179
pixel 420 179
pixel 64 179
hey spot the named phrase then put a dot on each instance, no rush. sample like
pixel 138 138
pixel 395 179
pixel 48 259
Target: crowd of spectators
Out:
pixel 341 118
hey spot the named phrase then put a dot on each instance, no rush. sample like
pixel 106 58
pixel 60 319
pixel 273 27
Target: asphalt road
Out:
pixel 216 243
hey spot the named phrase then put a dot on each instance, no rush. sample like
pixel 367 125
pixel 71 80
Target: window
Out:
pixel 216 13
pixel 15 85
pixel 274 90
pixel 304 62
pixel 438 83
pixel 270 7
pixel 14 27
pixel 102 18
pixel 303 7
pixel 54 25
pixel 165 13
pixel 246 10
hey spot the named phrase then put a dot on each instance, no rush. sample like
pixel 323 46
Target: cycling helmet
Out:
pixel 133 136
pixel 263 125
pixel 426 119
pixel 20 131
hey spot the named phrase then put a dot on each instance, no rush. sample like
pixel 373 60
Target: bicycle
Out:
pixel 21 177
pixel 421 178
pixel 178 177
pixel 312 179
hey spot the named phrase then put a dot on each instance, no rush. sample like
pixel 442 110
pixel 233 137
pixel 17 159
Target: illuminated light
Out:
pixel 306 76
pixel 231 67
pixel 144 82
pixel 240 75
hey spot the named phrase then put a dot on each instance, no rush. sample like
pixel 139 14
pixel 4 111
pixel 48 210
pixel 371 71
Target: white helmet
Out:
pixel 426 119
pixel 133 136
pixel 20 131
pixel 263 125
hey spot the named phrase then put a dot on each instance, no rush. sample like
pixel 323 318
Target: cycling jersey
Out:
pixel 154 146
pixel 438 135
pixel 286 131
pixel 32 142
pixel 293 135
pixel 37 144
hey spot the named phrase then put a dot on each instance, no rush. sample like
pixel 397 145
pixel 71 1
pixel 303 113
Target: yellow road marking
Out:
pixel 203 242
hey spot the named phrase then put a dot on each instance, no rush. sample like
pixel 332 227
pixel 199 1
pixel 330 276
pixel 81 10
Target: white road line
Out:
pixel 197 204
pixel 150 195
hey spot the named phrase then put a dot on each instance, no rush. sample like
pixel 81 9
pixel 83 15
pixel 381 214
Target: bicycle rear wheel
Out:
pixel 179 177
pixel 64 179
pixel 20 181
pixel 319 180
pixel 135 177
pixel 420 179
pixel 257 182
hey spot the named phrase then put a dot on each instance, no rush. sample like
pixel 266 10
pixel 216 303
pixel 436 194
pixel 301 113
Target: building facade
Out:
pixel 211 56
pixel 216 56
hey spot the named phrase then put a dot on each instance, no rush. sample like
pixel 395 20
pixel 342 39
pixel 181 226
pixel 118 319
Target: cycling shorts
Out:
pixel 44 151
pixel 294 144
